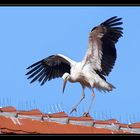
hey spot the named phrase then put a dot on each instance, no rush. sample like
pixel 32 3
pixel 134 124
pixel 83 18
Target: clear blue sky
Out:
pixel 28 34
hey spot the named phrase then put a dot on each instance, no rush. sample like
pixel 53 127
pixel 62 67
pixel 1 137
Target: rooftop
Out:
pixel 14 121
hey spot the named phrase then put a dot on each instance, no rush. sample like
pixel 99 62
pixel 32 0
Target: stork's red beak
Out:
pixel 64 84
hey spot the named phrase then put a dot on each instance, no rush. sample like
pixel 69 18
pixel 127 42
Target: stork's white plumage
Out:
pixel 97 63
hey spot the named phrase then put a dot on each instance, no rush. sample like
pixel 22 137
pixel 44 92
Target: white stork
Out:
pixel 97 63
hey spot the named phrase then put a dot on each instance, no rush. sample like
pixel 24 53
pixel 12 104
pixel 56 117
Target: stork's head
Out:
pixel 65 77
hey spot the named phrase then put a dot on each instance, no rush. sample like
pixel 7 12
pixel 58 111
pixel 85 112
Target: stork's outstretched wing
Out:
pixel 49 68
pixel 101 53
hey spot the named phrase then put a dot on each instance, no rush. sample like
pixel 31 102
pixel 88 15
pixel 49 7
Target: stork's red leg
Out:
pixel 83 96
pixel 87 113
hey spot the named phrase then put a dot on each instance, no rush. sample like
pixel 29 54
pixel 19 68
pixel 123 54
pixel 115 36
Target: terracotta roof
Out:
pixel 8 109
pixel 135 125
pixel 57 115
pixel 110 121
pixel 123 125
pixel 34 112
pixel 82 118
pixel 14 121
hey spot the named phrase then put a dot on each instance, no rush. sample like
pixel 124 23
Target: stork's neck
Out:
pixel 71 79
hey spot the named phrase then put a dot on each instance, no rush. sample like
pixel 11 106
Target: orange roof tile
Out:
pixel 8 109
pixel 56 115
pixel 9 124
pixel 34 126
pixel 34 112
pixel 76 129
pixel 134 125
pixel 110 121
pixel 82 118
pixel 123 125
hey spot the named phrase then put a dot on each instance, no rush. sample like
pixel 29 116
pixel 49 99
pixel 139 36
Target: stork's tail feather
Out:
pixel 110 87
pixel 106 87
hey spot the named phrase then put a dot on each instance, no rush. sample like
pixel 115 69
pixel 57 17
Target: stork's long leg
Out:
pixel 83 96
pixel 87 113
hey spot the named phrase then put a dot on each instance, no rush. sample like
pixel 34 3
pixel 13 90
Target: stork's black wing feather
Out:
pixel 113 33
pixel 101 53
pixel 49 68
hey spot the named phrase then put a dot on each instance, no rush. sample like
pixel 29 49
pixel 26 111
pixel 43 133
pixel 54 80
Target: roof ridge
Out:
pixel 18 116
